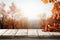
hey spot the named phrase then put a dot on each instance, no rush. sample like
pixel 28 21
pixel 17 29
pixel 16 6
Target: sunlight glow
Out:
pixel 31 12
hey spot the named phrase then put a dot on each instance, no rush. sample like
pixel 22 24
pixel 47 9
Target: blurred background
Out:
pixel 23 14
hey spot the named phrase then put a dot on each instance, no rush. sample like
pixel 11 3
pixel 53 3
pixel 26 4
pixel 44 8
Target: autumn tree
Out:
pixel 46 1
pixel 10 18
pixel 3 13
pixel 53 23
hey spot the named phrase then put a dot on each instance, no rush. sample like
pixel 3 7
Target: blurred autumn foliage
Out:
pixel 7 19
pixel 53 23
pixel 46 1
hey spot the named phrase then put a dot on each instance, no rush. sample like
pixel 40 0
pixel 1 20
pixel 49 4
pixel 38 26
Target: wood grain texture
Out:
pixel 2 31
pixel 10 32
pixel 32 33
pixel 22 32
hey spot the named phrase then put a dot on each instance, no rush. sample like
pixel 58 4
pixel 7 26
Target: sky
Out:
pixel 31 8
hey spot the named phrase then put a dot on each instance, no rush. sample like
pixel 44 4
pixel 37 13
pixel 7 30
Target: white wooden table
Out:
pixel 27 32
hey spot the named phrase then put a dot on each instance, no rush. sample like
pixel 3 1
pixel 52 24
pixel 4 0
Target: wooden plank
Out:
pixel 10 32
pixel 57 34
pixel 32 33
pixel 51 33
pixel 2 31
pixel 21 32
pixel 41 33
pixel 54 33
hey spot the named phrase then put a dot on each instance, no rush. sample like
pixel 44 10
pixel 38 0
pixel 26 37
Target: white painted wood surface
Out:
pixel 21 32
pixel 41 33
pixel 54 33
pixel 32 32
pixel 27 32
pixel 2 31
pixel 10 32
